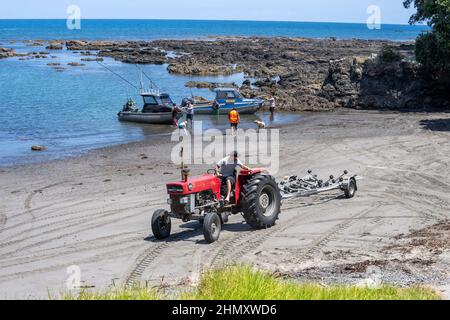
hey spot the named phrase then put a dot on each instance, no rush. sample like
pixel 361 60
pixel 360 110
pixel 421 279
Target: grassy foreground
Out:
pixel 244 283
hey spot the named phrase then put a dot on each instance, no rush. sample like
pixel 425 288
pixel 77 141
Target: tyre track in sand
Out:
pixel 104 255
pixel 29 198
pixel 3 220
pixel 79 247
pixel 68 220
pixel 313 249
pixel 229 251
pixel 85 227
pixel 144 261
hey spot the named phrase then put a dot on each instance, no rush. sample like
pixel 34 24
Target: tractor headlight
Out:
pixel 190 186
pixel 184 200
pixel 169 202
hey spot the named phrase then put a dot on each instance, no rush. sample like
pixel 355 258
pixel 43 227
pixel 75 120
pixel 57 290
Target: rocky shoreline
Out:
pixel 302 74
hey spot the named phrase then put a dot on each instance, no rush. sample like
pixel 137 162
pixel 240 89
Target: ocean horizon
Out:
pixel 138 29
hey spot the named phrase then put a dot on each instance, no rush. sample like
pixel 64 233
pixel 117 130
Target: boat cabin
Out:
pixel 156 103
pixel 228 95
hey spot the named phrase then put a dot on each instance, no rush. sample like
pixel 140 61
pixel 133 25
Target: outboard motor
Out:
pixel 185 101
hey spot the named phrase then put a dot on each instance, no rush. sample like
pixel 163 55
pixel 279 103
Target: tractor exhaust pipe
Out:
pixel 185 172
pixel 185 175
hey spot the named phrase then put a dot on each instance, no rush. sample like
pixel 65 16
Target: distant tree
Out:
pixel 433 48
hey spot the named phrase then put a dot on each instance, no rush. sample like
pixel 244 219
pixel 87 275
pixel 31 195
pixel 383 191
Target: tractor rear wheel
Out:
pixel 261 202
pixel 161 224
pixel 212 227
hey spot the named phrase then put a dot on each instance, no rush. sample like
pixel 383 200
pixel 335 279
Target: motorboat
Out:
pixel 226 100
pixel 157 109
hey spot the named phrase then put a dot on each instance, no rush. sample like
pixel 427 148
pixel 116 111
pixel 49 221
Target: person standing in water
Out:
pixel 234 120
pixel 272 104
pixel 190 113
pixel 175 114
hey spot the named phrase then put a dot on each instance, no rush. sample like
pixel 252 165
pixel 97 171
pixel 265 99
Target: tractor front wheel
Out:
pixel 261 202
pixel 212 227
pixel 161 224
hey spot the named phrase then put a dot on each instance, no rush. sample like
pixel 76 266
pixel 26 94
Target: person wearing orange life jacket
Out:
pixel 234 119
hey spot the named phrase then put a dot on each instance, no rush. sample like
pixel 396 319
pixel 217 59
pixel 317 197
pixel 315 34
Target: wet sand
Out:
pixel 94 211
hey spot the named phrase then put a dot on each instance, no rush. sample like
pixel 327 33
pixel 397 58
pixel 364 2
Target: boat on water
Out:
pixel 226 100
pixel 157 109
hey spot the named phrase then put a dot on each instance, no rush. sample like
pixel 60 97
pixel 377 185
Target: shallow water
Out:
pixel 75 111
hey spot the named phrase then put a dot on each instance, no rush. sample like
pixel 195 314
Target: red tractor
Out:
pixel 256 195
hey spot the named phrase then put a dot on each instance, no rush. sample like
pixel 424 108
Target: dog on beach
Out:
pixel 260 124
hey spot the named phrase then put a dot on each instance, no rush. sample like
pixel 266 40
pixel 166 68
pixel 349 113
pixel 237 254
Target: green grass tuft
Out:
pixel 244 283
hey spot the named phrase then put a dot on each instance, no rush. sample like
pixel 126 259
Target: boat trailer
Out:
pixel 310 184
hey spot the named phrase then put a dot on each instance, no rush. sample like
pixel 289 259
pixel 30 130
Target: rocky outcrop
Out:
pixel 196 68
pixel 92 59
pixel 124 51
pixel 75 64
pixel 209 85
pixel 375 84
pixel 6 53
pixel 302 74
pixel 54 45
pixel 138 55
pixel 38 148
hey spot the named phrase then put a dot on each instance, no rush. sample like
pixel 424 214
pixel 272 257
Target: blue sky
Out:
pixel 392 11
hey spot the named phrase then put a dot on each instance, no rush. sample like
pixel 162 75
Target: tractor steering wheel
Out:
pixel 212 171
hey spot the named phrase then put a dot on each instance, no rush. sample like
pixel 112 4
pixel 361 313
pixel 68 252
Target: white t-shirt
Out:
pixel 228 166
pixel 272 102
pixel 190 109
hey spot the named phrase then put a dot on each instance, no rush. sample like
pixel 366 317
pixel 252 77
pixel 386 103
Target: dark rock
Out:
pixel 92 59
pixel 209 85
pixel 75 64
pixel 7 53
pixel 38 148
pixel 54 45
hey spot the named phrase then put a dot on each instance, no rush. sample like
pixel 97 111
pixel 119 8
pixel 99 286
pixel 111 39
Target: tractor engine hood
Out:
pixel 195 185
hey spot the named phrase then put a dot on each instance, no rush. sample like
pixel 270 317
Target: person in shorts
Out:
pixel 190 113
pixel 234 119
pixel 227 169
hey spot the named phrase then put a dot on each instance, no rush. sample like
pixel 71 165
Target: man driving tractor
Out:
pixel 226 168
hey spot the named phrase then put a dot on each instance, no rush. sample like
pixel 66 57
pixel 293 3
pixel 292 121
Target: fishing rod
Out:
pixel 118 75
pixel 149 79
pixel 190 87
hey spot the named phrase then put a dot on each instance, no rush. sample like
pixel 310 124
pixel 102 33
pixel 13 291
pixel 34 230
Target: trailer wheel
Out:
pixel 161 224
pixel 351 188
pixel 212 227
pixel 261 202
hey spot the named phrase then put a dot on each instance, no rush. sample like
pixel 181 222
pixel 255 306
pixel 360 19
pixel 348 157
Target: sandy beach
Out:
pixel 94 211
